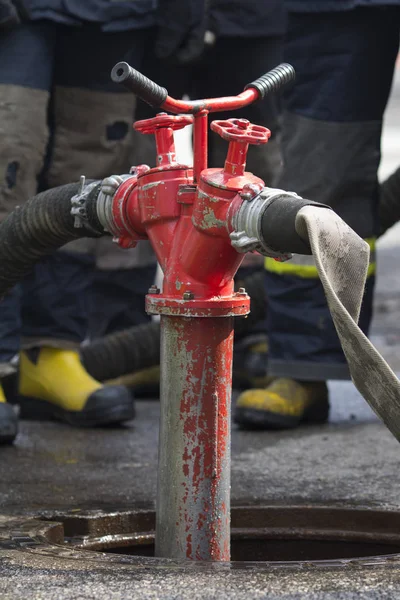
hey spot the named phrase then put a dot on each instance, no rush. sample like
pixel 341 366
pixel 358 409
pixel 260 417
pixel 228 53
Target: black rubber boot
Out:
pixel 8 423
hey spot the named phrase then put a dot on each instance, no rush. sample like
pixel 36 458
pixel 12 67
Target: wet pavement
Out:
pixel 350 462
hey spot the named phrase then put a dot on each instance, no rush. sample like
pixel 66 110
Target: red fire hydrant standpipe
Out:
pixel 188 216
pixel 199 223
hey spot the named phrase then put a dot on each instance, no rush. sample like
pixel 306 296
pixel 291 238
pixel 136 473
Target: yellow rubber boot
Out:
pixel 54 384
pixel 284 404
pixel 2 395
pixel 8 420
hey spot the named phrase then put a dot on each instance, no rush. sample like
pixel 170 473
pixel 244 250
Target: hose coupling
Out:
pixel 108 188
pixel 247 235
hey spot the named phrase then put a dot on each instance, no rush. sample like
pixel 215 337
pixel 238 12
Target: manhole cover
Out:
pixel 269 534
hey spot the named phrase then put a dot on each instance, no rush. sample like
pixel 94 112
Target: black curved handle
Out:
pixel 141 86
pixel 273 80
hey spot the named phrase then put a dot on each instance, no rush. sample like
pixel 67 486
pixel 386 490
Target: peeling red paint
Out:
pixel 204 412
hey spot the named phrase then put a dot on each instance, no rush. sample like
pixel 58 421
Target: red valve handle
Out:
pixel 241 130
pixel 161 121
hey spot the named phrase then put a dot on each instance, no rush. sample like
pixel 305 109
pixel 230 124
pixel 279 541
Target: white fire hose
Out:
pixel 342 260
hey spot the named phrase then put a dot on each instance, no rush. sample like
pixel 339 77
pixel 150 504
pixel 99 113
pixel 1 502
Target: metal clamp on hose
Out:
pixel 267 224
pixel 247 223
pixel 80 205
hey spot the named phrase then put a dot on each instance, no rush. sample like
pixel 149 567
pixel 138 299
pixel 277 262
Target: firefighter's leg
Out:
pixel 217 76
pixel 91 134
pixel 117 298
pixel 52 381
pixel 25 79
pixel 250 356
pixel 103 143
pixel 118 294
pixel 331 147
pixel 389 202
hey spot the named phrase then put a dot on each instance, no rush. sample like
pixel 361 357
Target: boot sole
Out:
pixel 39 410
pixel 253 419
pixel 8 424
pixel 146 392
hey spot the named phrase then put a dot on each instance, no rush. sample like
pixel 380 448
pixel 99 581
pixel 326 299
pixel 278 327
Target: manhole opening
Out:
pixel 262 533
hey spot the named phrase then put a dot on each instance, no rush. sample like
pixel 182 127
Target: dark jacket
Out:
pixel 247 18
pixel 228 18
pixel 334 5
pixel 113 15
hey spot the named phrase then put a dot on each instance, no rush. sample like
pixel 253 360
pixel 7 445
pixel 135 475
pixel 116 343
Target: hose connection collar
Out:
pixel 247 222
pixel 108 189
pixel 267 224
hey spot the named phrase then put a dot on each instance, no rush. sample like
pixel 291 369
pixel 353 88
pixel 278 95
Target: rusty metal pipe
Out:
pixel 193 497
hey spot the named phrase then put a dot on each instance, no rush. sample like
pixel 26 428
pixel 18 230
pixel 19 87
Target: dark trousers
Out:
pixel 331 148
pixel 40 307
pixel 117 299
pixel 64 117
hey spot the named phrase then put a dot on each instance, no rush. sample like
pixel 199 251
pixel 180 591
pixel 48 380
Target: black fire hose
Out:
pixel 278 221
pixel 278 224
pixel 124 352
pixel 138 347
pixel 41 226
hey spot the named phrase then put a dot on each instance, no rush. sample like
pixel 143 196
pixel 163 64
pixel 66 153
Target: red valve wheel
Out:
pixel 163 120
pixel 241 130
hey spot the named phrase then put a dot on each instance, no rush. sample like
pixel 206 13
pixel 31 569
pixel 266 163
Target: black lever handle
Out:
pixel 155 95
pixel 273 80
pixel 139 84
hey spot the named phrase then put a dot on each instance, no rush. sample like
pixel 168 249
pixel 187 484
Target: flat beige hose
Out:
pixel 342 259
